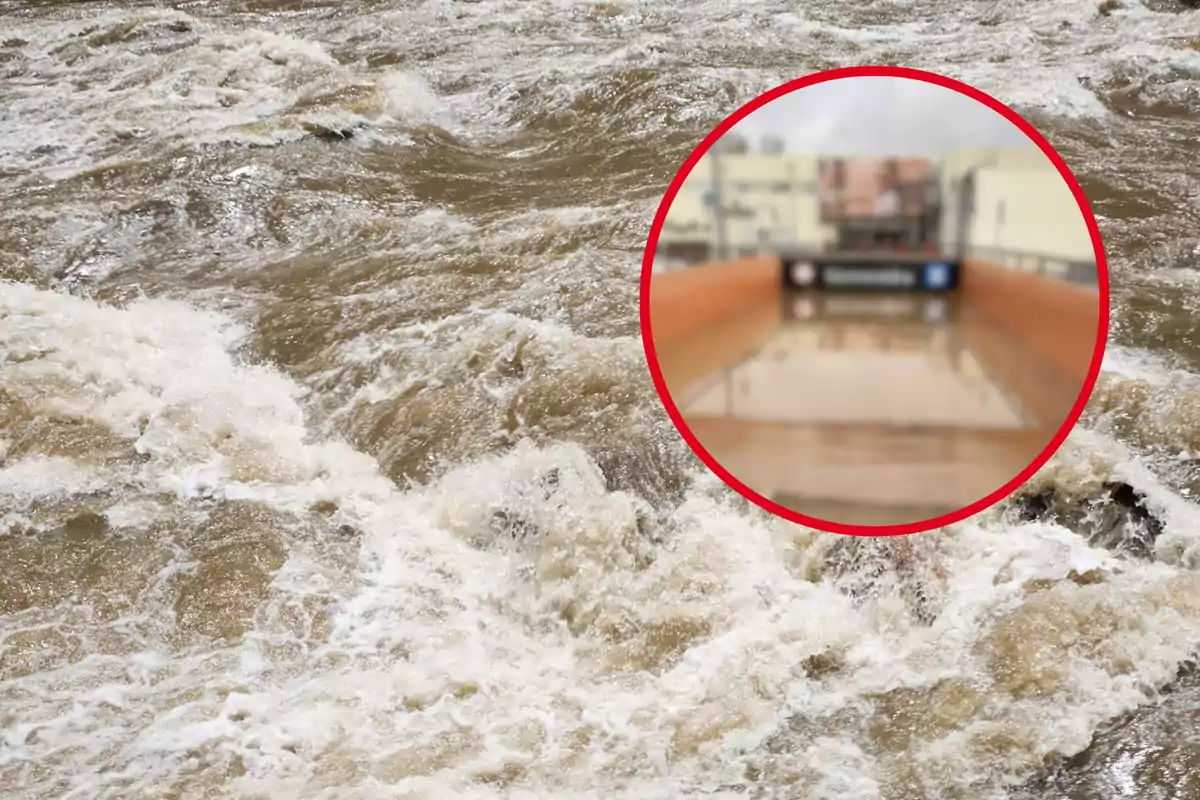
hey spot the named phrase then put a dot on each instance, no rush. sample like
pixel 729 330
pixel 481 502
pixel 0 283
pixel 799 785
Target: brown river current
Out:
pixel 330 465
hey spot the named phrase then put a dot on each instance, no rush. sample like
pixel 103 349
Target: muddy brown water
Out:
pixel 332 467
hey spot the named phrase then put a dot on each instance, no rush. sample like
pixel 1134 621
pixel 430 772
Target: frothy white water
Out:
pixel 267 613
pixel 156 76
pixel 504 631
pixel 102 83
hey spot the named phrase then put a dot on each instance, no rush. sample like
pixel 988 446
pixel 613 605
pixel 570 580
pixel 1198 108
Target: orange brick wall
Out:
pixel 1056 320
pixel 687 360
pixel 692 297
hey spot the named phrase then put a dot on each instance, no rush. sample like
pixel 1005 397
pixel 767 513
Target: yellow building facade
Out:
pixel 992 199
pixel 770 203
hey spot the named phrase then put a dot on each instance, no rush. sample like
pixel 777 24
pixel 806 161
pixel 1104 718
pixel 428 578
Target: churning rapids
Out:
pixel 331 466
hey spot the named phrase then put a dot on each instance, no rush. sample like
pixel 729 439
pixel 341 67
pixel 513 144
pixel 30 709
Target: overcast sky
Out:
pixel 879 116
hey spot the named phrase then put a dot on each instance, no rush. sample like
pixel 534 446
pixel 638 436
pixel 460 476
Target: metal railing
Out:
pixel 1085 273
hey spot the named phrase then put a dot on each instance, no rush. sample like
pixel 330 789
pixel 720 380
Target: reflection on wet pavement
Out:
pixel 858 409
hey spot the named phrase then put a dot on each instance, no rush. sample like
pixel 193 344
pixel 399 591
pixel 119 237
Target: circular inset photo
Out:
pixel 874 300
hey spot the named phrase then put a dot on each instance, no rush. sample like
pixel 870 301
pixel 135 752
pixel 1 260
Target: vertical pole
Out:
pixel 792 234
pixel 719 205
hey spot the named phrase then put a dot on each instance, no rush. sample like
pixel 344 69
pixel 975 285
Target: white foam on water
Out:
pixel 467 647
pixel 41 476
pixel 220 85
pixel 250 86
pixel 1134 364
pixel 159 373
pixel 458 650
pixel 409 98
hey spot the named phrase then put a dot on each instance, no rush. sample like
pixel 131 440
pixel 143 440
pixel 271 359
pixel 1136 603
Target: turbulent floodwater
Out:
pixel 332 467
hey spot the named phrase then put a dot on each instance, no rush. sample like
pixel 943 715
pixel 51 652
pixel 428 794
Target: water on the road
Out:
pixel 332 467
pixel 869 409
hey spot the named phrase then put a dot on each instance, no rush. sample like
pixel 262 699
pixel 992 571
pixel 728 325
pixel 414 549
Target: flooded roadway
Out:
pixel 863 409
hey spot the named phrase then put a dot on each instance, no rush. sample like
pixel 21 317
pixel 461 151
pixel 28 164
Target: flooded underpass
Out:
pixel 869 408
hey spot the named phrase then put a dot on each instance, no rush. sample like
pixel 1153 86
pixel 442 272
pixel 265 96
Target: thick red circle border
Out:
pixel 1085 392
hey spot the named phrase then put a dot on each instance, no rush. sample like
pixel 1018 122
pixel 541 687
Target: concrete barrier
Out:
pixel 1055 320
pixel 1044 391
pixel 687 361
pixel 684 300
